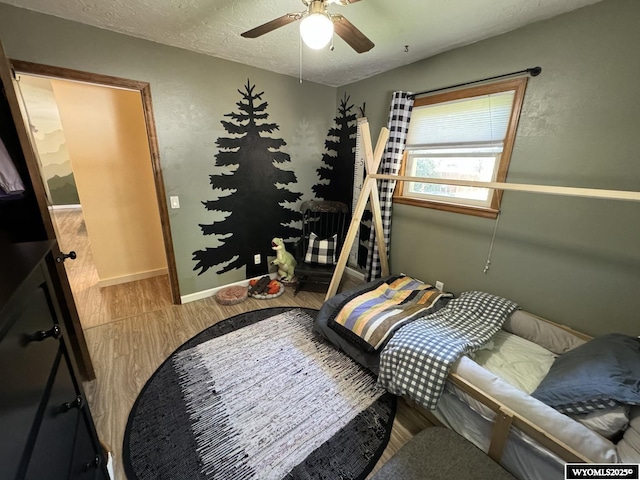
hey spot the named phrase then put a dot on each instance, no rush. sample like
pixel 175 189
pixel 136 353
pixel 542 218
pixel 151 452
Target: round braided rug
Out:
pixel 258 396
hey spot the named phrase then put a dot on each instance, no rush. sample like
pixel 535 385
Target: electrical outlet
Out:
pixel 175 201
pixel 439 285
pixel 256 259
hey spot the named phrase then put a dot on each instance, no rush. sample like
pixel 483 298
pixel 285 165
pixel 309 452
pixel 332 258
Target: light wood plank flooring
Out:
pixel 130 331
pixel 97 306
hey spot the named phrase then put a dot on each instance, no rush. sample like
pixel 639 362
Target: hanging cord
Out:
pixel 493 239
pixel 495 227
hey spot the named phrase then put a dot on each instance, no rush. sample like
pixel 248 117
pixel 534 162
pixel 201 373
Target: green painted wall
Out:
pixel 191 94
pixel 575 261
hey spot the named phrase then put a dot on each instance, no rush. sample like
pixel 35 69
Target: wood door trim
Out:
pixel 39 69
pixel 60 282
pixel 145 92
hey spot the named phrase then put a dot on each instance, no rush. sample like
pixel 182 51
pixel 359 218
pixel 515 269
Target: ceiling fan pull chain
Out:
pixel 300 46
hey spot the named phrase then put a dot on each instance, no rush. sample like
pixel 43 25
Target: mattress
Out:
pixel 521 456
pixel 523 364
pixel 524 338
pixel 520 362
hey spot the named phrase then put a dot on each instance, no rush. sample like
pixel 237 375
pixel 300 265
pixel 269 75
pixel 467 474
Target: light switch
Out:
pixel 175 201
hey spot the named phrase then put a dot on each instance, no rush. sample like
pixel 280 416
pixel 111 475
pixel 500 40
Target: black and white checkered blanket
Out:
pixel 417 360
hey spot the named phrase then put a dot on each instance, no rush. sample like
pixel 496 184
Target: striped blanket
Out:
pixel 370 318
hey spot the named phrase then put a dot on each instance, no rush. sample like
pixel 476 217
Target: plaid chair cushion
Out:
pixel 321 251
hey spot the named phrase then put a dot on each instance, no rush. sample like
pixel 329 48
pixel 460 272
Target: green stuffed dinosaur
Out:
pixel 284 260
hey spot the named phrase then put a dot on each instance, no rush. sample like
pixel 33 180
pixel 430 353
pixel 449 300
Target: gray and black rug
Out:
pixel 258 396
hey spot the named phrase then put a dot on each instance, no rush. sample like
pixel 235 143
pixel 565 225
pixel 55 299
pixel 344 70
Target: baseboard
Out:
pixel 75 206
pixel 353 273
pixel 192 297
pixel 132 278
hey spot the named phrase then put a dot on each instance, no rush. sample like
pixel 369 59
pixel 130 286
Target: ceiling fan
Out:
pixel 318 25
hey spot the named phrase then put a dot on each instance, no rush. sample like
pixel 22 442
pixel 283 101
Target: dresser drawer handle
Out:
pixel 77 402
pixel 95 464
pixel 55 332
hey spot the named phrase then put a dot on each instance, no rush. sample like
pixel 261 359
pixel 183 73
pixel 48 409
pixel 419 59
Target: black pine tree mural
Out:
pixel 365 231
pixel 339 159
pixel 339 167
pixel 249 194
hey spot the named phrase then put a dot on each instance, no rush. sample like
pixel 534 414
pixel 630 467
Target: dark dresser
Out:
pixel 46 429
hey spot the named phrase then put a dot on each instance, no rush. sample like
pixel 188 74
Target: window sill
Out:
pixel 484 212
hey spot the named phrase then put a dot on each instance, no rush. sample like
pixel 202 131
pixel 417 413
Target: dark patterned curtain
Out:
pixel 398 125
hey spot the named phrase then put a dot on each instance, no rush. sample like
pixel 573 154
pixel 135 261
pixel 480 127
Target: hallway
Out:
pixel 98 306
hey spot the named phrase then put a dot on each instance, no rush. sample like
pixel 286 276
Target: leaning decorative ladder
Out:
pixel 505 417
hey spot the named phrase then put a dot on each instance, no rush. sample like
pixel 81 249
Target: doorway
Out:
pixel 153 285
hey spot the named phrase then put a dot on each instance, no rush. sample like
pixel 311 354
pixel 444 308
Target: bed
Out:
pixel 488 390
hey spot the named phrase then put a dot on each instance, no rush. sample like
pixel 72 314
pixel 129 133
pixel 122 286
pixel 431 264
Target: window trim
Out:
pixel 519 85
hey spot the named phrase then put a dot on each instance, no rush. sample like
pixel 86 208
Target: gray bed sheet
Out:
pixel 371 361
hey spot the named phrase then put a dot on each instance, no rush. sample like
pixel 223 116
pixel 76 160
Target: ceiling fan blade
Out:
pixel 350 34
pixel 272 25
pixel 343 2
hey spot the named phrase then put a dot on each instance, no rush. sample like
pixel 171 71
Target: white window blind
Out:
pixel 478 119
pixel 466 134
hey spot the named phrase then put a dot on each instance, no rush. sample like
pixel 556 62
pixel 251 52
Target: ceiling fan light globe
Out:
pixel 316 30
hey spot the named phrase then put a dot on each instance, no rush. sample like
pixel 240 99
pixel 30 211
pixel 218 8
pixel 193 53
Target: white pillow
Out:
pixel 607 422
pixel 629 446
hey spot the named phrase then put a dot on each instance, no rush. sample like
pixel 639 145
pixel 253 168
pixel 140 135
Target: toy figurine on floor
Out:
pixel 284 260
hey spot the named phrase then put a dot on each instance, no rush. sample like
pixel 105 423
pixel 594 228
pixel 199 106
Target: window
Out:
pixel 465 134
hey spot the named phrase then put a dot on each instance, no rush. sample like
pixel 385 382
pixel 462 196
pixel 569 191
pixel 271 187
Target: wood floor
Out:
pixel 98 306
pixel 131 329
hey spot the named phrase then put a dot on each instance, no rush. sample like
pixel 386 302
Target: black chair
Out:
pixel 324 226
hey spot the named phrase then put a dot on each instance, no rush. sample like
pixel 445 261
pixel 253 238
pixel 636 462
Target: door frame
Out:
pixel 144 88
pixel 70 321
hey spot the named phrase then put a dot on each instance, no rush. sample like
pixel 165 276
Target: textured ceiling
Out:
pixel 213 27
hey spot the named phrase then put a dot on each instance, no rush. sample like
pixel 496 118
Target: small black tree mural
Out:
pixel 339 158
pixel 363 237
pixel 249 193
pixel 340 170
